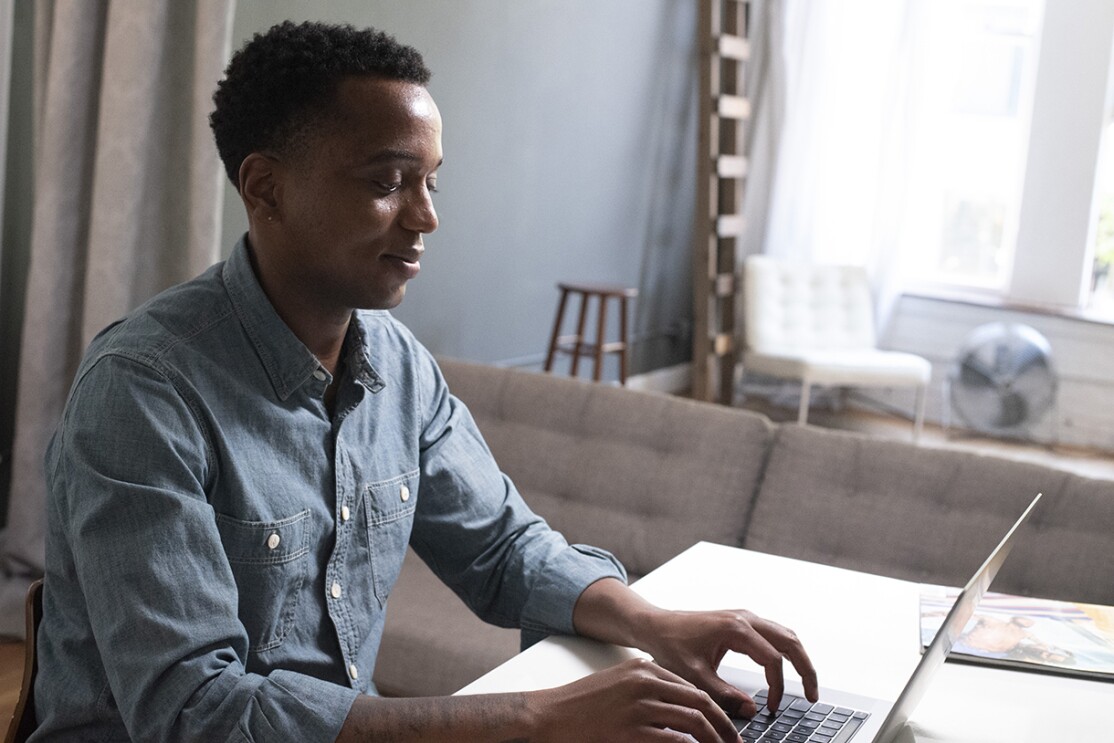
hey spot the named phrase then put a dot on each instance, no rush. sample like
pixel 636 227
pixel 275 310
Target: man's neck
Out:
pixel 321 329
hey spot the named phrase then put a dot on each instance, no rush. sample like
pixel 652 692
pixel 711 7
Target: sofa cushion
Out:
pixel 643 475
pixel 931 515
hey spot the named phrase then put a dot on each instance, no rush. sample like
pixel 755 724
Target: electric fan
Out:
pixel 1003 380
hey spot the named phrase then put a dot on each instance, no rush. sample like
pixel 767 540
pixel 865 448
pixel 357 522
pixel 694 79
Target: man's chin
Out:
pixel 385 303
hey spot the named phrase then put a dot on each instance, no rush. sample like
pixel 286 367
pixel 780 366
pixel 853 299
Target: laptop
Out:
pixel 844 717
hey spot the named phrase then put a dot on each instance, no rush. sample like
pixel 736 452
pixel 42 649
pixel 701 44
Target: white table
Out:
pixel 861 632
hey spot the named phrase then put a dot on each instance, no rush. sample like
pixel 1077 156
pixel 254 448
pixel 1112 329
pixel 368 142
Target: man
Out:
pixel 244 460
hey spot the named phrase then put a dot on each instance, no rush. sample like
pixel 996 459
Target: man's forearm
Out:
pixel 507 718
pixel 608 610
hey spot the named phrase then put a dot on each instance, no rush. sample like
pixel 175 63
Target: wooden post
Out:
pixel 723 28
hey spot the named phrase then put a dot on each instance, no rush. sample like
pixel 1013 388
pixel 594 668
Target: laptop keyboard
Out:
pixel 800 721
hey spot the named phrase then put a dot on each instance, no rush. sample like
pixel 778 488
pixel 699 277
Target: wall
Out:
pixel 569 155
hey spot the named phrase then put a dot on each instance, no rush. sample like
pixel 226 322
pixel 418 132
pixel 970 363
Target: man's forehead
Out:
pixel 376 119
pixel 378 97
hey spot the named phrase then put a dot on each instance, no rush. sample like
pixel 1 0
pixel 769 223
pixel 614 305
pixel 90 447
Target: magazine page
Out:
pixel 1038 634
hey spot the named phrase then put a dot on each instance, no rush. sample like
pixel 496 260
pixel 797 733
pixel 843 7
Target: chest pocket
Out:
pixel 389 515
pixel 269 562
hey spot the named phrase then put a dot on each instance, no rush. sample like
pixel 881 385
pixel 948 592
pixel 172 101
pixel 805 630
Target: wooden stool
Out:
pixel 576 344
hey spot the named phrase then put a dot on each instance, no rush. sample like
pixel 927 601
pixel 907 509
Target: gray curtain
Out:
pixel 127 201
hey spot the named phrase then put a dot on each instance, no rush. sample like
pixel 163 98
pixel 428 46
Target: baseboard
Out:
pixel 671 380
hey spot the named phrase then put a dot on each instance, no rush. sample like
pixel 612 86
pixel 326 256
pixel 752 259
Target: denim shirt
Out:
pixel 220 548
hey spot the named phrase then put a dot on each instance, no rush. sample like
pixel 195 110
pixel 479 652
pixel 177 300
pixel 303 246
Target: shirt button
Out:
pixel 273 541
pixel 319 375
pixel 345 514
pixel 404 493
pixel 353 672
pixel 335 590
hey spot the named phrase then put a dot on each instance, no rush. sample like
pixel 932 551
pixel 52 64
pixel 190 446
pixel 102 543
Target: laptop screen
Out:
pixel 961 613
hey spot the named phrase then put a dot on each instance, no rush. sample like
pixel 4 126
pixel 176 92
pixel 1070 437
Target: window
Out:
pixel 974 67
pixel 1102 281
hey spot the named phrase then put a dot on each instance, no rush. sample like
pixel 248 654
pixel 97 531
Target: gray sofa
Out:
pixel 646 475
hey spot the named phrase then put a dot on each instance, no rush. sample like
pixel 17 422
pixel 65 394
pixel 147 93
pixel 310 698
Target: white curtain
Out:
pixel 127 201
pixel 832 126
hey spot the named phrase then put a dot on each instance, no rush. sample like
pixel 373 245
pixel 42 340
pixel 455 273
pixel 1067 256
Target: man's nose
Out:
pixel 418 214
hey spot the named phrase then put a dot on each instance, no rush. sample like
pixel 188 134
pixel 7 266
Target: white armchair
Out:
pixel 815 324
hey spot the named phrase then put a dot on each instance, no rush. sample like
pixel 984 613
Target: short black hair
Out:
pixel 284 79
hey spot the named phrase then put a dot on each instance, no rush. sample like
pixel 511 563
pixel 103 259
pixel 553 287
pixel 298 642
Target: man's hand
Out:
pixel 692 644
pixel 634 701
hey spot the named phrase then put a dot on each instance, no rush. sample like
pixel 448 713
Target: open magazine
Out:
pixel 1029 634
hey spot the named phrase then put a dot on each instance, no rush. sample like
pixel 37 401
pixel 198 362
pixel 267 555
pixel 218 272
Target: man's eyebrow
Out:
pixel 391 155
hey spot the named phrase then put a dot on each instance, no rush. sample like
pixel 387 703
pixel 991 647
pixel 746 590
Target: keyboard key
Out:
pixel 797 738
pixel 802 704
pixel 845 735
pixel 822 708
pixel 843 711
pixel 814 716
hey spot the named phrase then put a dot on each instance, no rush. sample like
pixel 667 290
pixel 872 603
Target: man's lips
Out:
pixel 408 263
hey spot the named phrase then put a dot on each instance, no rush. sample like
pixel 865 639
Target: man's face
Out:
pixel 356 201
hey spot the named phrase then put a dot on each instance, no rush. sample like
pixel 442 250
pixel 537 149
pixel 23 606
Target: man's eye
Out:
pixel 431 186
pixel 388 187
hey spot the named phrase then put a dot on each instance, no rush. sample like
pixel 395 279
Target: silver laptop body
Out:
pixel 887 718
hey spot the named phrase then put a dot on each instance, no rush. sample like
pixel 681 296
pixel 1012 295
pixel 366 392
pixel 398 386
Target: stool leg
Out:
pixel 556 330
pixel 623 340
pixel 601 331
pixel 579 334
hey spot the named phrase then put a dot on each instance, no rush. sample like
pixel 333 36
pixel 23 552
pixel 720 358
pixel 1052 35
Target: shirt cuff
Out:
pixel 549 608
pixel 293 706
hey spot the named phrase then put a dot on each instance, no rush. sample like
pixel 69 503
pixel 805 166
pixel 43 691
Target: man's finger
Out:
pixel 686 699
pixel 775 679
pixel 790 646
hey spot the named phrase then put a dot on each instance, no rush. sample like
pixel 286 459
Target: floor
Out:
pixel 1083 461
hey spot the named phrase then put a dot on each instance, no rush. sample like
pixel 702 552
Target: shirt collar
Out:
pixel 359 360
pixel 288 362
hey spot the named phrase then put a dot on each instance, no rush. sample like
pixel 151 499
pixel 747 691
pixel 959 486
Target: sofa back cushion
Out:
pixel 643 475
pixel 932 515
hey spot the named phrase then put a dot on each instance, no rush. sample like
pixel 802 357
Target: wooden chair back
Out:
pixel 23 719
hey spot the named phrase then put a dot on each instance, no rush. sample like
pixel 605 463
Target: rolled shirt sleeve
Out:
pixel 474 530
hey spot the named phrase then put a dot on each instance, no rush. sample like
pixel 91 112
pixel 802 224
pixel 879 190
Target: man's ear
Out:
pixel 259 187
